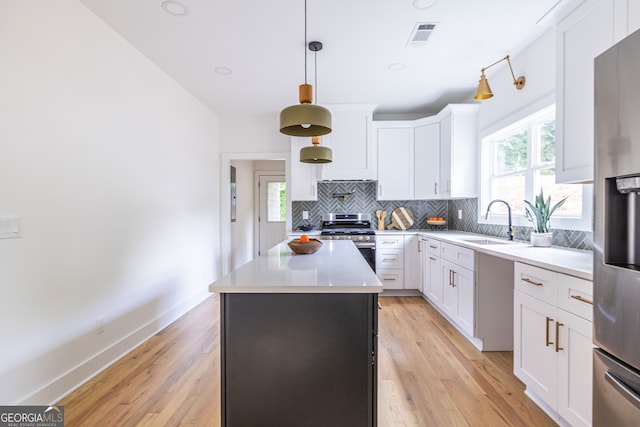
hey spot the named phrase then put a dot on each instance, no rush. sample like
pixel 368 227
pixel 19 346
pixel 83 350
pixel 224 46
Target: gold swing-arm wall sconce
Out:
pixel 484 91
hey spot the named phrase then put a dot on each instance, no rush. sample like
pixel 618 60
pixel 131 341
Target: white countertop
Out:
pixel 337 267
pixel 573 262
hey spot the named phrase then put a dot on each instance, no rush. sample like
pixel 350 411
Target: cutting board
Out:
pixel 401 218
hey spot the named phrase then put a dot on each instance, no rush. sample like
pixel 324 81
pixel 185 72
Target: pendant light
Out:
pixel 316 153
pixel 305 119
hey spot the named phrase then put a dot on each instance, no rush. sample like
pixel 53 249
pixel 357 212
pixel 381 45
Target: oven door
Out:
pixel 368 251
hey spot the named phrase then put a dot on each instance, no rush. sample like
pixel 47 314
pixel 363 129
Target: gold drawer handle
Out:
pixel 549 319
pixel 582 299
pixel 432 258
pixel 386 279
pixel 558 348
pixel 533 282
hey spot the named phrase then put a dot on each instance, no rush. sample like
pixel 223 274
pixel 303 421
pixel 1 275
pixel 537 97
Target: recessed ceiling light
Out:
pixel 225 71
pixel 396 66
pixel 423 4
pixel 174 8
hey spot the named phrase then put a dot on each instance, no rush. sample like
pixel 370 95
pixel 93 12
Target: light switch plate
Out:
pixel 305 214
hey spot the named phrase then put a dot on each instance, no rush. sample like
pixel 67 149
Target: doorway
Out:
pixel 271 211
pixel 238 239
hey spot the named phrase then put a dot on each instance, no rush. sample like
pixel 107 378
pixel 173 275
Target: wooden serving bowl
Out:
pixel 304 248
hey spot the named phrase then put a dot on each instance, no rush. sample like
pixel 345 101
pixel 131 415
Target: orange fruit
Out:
pixel 304 238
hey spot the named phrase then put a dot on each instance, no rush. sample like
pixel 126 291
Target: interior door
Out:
pixel 271 211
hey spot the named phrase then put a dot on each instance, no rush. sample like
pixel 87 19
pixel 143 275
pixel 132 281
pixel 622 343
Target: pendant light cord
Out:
pixel 315 75
pixel 305 41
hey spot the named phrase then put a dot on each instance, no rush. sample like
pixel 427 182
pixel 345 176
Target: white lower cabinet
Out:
pixel 458 294
pixel 553 346
pixel 449 282
pixel 398 261
pixel 390 261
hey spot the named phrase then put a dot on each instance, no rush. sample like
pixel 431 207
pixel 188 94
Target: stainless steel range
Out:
pixel 355 227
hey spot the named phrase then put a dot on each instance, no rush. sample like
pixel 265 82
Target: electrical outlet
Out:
pixel 99 325
pixel 459 213
pixel 305 214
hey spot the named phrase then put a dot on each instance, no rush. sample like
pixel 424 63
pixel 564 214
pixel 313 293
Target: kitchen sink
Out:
pixel 485 241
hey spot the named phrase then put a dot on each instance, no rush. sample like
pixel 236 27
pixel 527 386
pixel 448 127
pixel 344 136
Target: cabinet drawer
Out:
pixel 434 247
pixel 458 255
pixel 537 282
pixel 391 278
pixel 389 258
pixel 575 296
pixel 389 242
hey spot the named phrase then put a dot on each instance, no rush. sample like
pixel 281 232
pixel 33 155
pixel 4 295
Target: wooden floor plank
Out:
pixel 428 375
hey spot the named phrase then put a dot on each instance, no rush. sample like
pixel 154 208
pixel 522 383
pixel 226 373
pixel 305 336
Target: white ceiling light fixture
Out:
pixel 224 71
pixel 174 8
pixel 423 4
pixel 305 119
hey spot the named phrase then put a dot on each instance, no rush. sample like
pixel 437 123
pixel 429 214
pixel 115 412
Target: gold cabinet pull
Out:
pixel 453 278
pixel 533 282
pixel 558 348
pixel 549 319
pixel 582 299
pixel 432 258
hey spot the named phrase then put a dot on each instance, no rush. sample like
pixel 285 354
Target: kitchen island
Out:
pixel 299 339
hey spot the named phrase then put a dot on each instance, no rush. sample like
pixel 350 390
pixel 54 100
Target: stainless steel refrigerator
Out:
pixel 616 363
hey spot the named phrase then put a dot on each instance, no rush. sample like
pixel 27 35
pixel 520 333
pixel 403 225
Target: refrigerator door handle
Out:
pixel 622 388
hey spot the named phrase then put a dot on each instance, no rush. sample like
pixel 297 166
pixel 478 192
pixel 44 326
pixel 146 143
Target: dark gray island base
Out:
pixel 299 359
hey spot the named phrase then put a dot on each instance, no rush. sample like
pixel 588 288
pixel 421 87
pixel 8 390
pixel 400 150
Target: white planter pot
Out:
pixel 542 240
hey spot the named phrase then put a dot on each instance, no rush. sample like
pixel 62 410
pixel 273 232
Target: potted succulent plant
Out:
pixel 539 214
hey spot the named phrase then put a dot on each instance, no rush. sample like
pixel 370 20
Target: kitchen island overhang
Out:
pixel 299 339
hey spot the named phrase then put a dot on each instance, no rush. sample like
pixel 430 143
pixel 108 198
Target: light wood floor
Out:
pixel 428 375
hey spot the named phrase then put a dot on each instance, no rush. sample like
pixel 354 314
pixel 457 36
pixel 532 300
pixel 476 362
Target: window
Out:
pixel 519 160
pixel 276 202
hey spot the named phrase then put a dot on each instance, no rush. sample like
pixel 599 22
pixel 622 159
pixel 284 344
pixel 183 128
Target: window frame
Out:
pixel 513 122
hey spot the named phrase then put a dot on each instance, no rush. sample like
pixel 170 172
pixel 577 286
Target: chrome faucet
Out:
pixel 486 216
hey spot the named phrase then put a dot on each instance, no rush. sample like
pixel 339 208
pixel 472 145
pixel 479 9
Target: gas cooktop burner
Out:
pixel 358 224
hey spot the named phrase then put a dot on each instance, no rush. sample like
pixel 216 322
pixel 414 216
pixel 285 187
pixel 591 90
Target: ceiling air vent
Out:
pixel 420 34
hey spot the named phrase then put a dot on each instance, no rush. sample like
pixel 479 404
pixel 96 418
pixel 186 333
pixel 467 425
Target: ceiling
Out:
pixel 262 44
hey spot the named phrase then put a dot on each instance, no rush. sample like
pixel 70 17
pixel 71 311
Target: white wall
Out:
pixel 538 64
pixel 241 133
pixel 242 230
pixel 114 170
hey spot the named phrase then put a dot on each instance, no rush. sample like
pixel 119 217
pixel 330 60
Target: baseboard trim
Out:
pixel 60 387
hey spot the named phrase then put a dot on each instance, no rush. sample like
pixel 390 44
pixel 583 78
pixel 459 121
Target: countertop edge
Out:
pixel 292 289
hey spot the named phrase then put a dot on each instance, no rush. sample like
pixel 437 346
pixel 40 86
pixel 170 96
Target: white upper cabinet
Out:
pixel 581 36
pixel 458 151
pixel 430 158
pixel 352 143
pixel 395 160
pixel 627 17
pixel 304 176
pixel 427 160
